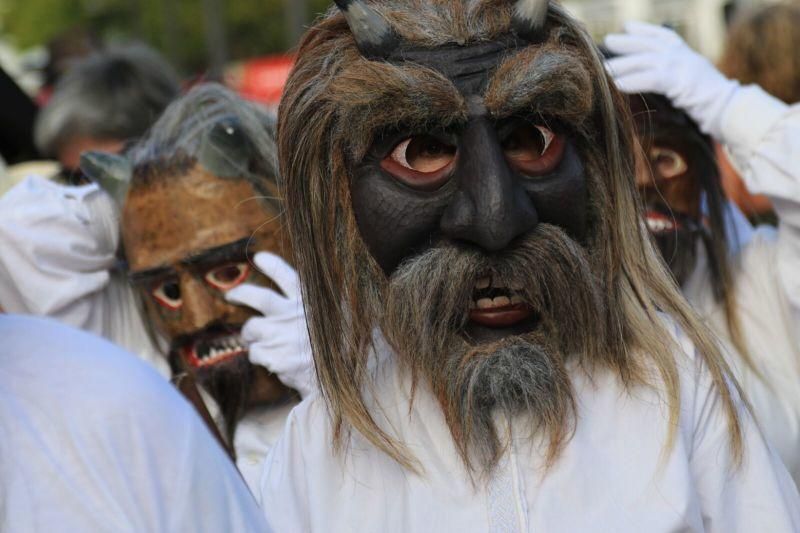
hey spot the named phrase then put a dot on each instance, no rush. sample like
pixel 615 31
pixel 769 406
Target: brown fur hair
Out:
pixel 336 100
pixel 761 48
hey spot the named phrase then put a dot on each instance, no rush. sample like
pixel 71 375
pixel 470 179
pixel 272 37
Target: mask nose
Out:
pixel 490 209
pixel 199 309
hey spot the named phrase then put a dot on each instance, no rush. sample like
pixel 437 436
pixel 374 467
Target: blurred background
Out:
pixel 248 45
pixel 248 42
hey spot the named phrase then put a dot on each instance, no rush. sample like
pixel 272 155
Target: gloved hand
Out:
pixel 654 59
pixel 278 340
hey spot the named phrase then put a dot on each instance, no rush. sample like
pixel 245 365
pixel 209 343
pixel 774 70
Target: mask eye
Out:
pixel 168 294
pixel 667 163
pixel 533 150
pixel 422 162
pixel 228 276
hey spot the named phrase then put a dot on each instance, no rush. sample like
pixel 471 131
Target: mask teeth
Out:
pixel 211 351
pixel 489 293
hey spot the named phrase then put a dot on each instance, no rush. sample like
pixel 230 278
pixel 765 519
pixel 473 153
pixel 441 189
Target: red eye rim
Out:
pixel 226 286
pixel 423 181
pixel 549 159
pixel 163 300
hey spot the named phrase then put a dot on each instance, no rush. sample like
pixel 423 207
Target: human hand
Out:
pixel 277 340
pixel 654 59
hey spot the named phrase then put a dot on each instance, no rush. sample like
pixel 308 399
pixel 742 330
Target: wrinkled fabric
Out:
pixel 614 474
pixel 91 439
pixel 762 135
pixel 58 247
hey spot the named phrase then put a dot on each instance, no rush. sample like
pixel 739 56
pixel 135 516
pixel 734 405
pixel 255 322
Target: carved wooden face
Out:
pixel 188 239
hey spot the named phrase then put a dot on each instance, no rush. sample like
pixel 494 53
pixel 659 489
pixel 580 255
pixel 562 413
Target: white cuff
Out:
pixel 748 117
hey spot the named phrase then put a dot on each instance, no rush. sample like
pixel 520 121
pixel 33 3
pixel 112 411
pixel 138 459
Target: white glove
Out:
pixel 278 340
pixel 653 59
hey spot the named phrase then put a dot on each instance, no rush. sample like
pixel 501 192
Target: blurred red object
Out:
pixel 261 79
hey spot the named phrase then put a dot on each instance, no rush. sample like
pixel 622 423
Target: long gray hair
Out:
pixel 212 126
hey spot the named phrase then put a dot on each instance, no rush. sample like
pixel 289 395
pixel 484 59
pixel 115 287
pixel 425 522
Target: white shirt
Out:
pixel 762 135
pixel 614 475
pixel 57 253
pixel 93 440
pixel 255 435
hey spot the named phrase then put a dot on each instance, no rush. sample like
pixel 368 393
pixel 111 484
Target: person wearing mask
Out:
pixel 161 251
pixel 743 281
pixel 498 345
pixel 58 237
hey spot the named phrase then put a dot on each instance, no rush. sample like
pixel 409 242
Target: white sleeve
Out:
pixel 57 245
pixel 762 135
pixel 758 494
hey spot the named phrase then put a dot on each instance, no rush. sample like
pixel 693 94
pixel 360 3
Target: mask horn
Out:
pixel 375 38
pixel 110 171
pixel 529 18
pixel 225 150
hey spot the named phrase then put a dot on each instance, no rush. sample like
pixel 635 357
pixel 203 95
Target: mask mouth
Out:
pixel 497 305
pixel 659 223
pixel 213 348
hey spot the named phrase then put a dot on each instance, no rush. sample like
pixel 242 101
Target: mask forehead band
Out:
pixel 468 67
pixel 376 39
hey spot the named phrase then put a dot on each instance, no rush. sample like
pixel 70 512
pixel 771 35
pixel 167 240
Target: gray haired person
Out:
pixel 105 101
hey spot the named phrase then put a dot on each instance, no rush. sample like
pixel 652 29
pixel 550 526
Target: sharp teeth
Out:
pixel 501 301
pixel 483 283
pixel 516 300
pixel 484 303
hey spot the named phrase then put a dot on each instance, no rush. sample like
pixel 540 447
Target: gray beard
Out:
pixel 426 312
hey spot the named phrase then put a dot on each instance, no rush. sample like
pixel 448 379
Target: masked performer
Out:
pixel 58 241
pixel 483 301
pixel 201 203
pixel 94 440
pixel 745 282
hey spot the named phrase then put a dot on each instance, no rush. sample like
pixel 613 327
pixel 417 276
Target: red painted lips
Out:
pixel 501 317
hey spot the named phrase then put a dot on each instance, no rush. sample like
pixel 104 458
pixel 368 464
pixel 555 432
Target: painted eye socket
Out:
pixel 168 294
pixel 667 163
pixel 533 150
pixel 422 162
pixel 228 276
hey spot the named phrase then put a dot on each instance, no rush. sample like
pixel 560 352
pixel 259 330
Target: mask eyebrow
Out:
pixel 227 252
pixel 143 277
pixel 542 80
pixel 373 96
